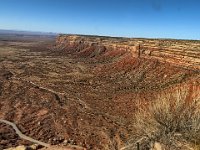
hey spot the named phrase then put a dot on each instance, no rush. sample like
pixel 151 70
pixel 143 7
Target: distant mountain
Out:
pixel 26 33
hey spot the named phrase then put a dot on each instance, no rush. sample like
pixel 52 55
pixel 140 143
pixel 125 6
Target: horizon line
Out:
pixel 100 35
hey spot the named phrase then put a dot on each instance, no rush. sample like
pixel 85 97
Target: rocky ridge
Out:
pixel 177 52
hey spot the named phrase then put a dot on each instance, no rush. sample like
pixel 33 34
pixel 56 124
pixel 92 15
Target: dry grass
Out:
pixel 172 119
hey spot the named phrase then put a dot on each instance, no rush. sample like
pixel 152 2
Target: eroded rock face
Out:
pixel 182 53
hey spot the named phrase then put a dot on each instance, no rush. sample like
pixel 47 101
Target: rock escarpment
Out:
pixel 136 72
pixel 177 52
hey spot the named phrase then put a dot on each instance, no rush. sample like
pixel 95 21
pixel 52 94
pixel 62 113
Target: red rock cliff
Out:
pixel 182 53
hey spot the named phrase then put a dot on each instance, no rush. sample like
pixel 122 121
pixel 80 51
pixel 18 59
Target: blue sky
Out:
pixel 130 18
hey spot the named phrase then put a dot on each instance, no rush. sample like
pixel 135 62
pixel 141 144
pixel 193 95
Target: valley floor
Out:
pixel 72 98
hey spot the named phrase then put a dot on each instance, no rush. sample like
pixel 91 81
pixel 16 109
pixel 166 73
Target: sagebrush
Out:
pixel 171 119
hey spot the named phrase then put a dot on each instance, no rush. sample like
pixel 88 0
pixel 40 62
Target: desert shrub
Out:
pixel 172 120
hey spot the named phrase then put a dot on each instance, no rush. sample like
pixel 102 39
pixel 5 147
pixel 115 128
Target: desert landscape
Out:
pixel 99 93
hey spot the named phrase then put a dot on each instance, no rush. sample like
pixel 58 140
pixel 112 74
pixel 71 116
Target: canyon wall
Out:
pixel 182 53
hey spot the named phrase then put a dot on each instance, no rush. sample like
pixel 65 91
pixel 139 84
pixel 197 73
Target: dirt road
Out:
pixel 21 135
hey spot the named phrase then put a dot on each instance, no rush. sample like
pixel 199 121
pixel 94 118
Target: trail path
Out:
pixel 21 135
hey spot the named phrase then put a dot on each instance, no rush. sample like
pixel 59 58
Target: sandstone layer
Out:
pixel 182 53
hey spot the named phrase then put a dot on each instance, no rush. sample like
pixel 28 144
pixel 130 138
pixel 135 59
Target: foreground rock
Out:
pixel 37 147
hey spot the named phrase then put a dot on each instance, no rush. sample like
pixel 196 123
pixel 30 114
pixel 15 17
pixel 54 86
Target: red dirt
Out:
pixel 83 93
